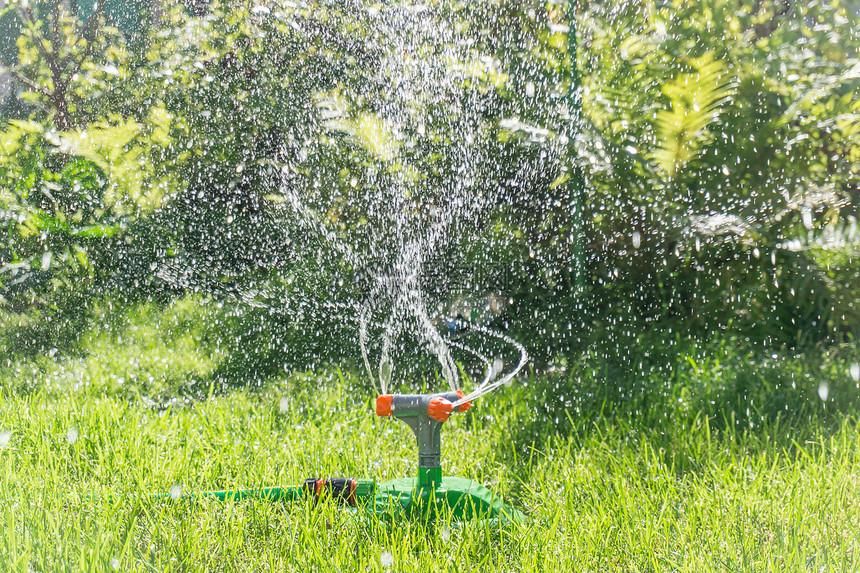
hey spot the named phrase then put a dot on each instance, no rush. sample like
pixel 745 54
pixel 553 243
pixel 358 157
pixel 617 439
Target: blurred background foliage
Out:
pixel 151 160
pixel 738 175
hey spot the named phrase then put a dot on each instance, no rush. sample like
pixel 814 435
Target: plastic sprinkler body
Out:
pixel 424 414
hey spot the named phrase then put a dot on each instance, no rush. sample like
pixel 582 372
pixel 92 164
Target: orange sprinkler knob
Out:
pixel 383 405
pixel 440 409
pixel 353 484
pixel 465 405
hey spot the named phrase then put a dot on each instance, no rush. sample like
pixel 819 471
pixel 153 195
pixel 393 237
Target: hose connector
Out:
pixel 348 491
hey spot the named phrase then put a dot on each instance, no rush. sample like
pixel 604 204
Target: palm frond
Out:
pixel 696 99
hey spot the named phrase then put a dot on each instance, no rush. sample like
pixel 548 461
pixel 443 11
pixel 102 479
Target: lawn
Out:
pixel 642 481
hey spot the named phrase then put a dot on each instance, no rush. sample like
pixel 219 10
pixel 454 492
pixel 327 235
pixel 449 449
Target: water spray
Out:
pixel 430 493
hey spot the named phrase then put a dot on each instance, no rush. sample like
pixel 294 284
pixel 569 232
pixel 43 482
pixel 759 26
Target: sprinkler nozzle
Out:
pixel 440 409
pixel 465 405
pixel 383 405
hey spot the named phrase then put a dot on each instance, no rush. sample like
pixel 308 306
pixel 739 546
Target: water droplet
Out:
pixel 387 559
pixel 445 534
pixel 854 371
pixel 385 373
pixel 823 391
pixel 498 366
pixel 637 239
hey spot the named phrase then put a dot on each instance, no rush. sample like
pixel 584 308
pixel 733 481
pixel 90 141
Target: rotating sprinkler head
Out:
pixel 424 414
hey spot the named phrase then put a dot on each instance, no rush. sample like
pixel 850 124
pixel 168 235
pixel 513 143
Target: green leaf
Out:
pixel 696 101
pixel 96 231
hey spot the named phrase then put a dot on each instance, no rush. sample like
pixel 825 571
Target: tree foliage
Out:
pixel 709 176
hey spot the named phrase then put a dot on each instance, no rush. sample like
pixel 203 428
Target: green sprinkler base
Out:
pixel 455 498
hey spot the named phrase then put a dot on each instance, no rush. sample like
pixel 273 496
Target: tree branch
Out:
pixel 88 35
pixel 30 83
pixel 55 32
pixel 88 27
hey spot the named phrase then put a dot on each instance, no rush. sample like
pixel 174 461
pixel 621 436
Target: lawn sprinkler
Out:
pixel 430 495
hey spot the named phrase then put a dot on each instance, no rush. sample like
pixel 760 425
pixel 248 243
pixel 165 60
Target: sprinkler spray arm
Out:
pixel 424 414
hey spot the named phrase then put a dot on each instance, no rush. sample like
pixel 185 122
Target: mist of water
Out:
pixel 404 275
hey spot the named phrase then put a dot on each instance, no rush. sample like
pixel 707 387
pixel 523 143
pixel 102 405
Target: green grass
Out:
pixel 647 480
